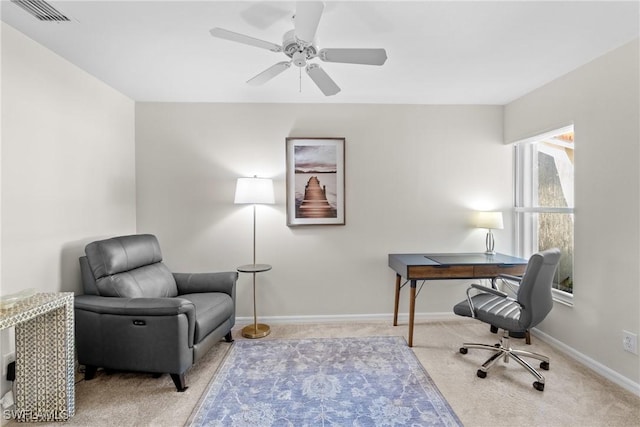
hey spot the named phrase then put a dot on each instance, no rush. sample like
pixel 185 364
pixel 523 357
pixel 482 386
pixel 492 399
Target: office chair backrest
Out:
pixel 534 294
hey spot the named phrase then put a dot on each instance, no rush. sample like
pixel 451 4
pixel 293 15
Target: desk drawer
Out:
pixel 438 272
pixel 494 270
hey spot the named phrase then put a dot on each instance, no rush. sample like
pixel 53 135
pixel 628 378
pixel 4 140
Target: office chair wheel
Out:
pixel 464 350
pixel 483 374
pixel 538 386
pixel 544 365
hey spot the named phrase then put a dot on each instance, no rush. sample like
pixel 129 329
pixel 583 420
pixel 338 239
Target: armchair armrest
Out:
pixel 191 283
pixel 135 306
pixel 98 317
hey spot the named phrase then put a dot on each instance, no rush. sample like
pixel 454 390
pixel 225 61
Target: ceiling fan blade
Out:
pixel 269 73
pixel 322 80
pixel 307 18
pixel 241 38
pixel 354 56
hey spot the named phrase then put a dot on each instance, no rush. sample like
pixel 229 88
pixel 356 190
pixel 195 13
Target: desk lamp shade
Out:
pixel 254 191
pixel 490 221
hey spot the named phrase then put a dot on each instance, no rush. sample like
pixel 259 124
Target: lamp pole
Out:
pixel 254 234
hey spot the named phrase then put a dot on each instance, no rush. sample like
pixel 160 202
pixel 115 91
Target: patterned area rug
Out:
pixel 374 381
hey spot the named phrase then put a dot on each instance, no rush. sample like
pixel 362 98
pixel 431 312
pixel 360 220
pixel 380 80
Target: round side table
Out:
pixel 256 330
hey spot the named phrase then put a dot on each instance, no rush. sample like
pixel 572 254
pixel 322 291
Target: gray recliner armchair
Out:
pixel 532 304
pixel 136 315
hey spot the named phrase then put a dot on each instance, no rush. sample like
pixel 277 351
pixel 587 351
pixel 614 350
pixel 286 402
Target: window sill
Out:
pixel 563 298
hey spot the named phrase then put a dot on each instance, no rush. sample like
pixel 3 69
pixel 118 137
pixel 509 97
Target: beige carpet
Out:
pixel 574 395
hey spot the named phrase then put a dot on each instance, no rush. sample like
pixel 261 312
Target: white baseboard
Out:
pixel 598 367
pixel 402 317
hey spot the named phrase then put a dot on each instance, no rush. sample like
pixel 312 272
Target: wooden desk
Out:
pixel 414 267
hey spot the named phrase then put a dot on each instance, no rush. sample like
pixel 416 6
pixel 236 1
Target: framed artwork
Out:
pixel 315 181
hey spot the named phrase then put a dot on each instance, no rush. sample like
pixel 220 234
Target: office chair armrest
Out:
pixel 495 292
pixel 483 289
pixel 508 280
pixel 510 277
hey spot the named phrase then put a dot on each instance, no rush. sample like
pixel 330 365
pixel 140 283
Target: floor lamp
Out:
pixel 254 191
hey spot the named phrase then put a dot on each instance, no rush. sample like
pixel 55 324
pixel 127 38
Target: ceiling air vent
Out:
pixel 41 10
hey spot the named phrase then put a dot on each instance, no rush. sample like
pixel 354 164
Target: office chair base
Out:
pixel 502 350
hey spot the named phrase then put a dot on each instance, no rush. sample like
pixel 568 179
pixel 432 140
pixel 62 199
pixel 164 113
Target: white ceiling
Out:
pixel 448 52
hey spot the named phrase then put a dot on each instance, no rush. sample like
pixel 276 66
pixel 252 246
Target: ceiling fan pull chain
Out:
pixel 300 79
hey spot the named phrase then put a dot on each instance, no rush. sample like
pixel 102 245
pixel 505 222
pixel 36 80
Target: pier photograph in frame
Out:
pixel 315 181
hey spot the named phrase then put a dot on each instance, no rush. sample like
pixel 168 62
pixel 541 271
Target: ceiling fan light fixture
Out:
pixel 299 59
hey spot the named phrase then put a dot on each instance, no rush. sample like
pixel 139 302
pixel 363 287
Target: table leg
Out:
pixel 412 310
pixel 397 302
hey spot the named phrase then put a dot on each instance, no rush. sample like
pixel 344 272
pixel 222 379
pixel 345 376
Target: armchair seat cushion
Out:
pixel 497 311
pixel 212 309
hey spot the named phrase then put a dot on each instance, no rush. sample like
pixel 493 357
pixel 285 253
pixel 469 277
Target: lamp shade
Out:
pixel 490 220
pixel 254 191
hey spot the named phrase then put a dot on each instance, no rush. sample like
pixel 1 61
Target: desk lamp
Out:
pixel 490 221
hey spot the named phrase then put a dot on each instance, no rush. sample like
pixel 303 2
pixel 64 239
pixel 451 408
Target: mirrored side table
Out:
pixel 256 330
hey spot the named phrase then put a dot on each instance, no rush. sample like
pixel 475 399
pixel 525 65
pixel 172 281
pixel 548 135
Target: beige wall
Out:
pixel 67 167
pixel 413 176
pixel 601 99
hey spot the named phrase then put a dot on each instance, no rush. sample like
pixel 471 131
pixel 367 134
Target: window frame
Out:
pixel 525 203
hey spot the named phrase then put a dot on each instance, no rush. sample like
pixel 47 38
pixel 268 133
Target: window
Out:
pixel 544 201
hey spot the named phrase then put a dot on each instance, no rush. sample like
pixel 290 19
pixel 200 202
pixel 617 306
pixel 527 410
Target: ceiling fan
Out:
pixel 299 45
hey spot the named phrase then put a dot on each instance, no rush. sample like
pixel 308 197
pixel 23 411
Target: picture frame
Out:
pixel 315 181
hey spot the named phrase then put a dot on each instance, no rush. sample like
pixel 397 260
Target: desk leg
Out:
pixel 412 310
pixel 397 302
